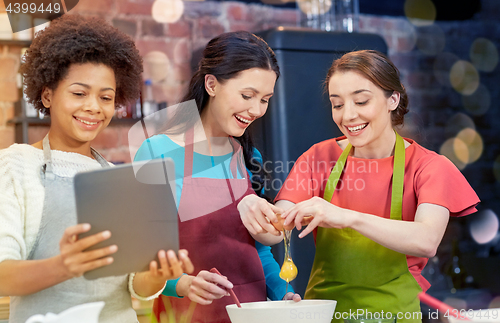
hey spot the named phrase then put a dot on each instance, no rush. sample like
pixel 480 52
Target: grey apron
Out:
pixel 59 212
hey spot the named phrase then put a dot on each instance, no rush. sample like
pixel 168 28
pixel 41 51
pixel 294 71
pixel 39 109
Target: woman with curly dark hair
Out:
pixel 78 71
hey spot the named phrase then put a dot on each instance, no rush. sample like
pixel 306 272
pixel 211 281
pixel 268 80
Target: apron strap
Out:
pixel 333 180
pixel 98 157
pixel 235 163
pixel 188 153
pixel 397 177
pixel 47 157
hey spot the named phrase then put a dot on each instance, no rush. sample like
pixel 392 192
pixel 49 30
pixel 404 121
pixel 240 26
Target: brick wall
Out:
pixel 201 22
pixel 7 98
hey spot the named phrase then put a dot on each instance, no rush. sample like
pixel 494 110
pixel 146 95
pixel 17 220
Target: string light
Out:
pixel 167 11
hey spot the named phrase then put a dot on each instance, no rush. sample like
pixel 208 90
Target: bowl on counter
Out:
pixel 308 310
pixel 489 315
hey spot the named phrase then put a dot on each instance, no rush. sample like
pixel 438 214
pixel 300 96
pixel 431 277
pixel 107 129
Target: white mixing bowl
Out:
pixel 491 315
pixel 309 310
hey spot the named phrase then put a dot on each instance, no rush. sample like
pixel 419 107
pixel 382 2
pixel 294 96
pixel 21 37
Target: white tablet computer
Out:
pixel 136 203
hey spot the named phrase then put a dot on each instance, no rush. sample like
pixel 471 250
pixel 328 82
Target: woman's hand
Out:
pixel 204 287
pixel 25 277
pixel 148 283
pixel 291 296
pixel 171 267
pixel 256 214
pixel 316 212
pixel 74 260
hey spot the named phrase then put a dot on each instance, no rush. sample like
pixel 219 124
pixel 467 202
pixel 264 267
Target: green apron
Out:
pixel 362 275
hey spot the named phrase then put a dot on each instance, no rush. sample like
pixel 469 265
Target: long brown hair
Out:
pixel 225 56
pixel 379 69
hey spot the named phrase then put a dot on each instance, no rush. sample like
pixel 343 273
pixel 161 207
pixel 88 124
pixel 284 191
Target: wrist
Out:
pixel 61 271
pixel 183 285
pixel 134 284
pixel 353 219
pixel 154 284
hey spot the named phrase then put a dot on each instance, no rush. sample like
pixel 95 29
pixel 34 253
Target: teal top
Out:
pixel 210 167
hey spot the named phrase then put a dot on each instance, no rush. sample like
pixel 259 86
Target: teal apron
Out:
pixel 362 275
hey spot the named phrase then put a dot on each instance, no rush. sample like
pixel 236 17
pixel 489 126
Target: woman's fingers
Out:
pixel 306 220
pixel 208 291
pixel 74 245
pixel 74 230
pixel 270 215
pixel 169 266
pixel 289 215
pixel 217 280
pixel 256 221
pixel 314 221
pixel 263 225
pixel 96 254
pixel 301 214
pixel 175 264
pixel 292 296
pixel 82 268
pixel 193 296
pixel 253 228
pixel 153 268
pixel 275 209
pixel 80 263
pixel 76 268
pixel 207 286
pixel 257 215
pixel 74 259
pixel 70 235
pixel 186 262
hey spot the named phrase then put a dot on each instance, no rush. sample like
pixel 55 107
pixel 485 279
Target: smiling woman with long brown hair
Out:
pixel 216 165
pixel 383 201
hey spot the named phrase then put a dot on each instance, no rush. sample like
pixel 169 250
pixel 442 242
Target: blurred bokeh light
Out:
pixel 464 77
pixel 156 66
pixel 478 102
pixel 420 12
pixel 461 150
pixel 167 11
pixel 474 143
pixel 484 55
pixel 495 302
pixel 484 227
pixel 453 146
pixel 314 7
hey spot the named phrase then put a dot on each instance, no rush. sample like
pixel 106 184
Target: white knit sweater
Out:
pixel 22 194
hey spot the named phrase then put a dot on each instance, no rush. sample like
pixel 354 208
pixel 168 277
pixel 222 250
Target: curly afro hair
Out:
pixel 74 39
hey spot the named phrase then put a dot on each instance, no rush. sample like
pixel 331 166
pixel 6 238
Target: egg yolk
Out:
pixel 288 271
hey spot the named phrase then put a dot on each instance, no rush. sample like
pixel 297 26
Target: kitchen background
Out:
pixel 447 53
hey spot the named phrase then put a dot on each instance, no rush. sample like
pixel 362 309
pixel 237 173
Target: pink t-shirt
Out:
pixel 365 185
